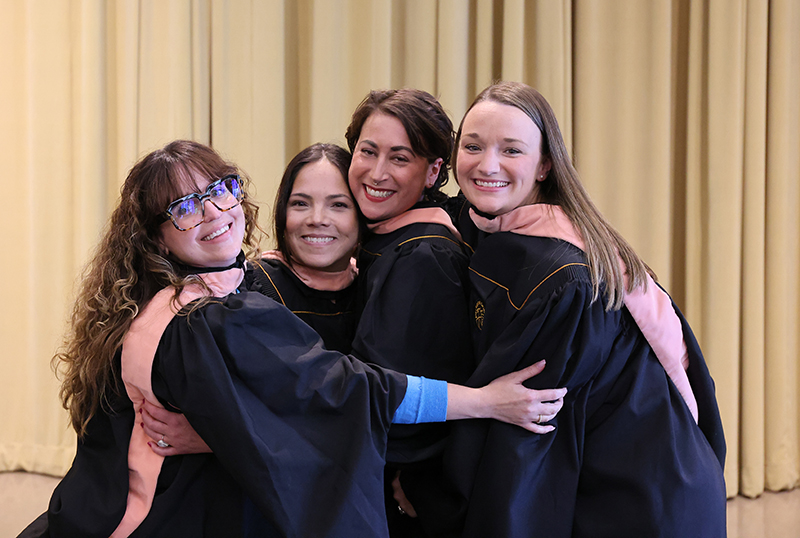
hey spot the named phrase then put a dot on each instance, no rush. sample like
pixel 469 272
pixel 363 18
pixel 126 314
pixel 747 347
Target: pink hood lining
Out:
pixel 138 352
pixel 432 215
pixel 652 309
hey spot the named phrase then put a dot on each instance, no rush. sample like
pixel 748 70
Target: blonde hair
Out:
pixel 562 187
pixel 128 268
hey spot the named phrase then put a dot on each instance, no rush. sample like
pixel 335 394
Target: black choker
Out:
pixel 192 270
pixel 482 214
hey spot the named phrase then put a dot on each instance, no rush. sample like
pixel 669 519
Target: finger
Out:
pixel 547 418
pixel 538 428
pixel 151 433
pixel 550 395
pixel 400 496
pixel 166 451
pixel 408 508
pixel 151 422
pixel 529 371
pixel 158 413
pixel 549 409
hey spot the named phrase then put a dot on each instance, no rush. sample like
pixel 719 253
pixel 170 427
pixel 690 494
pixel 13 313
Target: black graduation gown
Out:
pixel 297 432
pixel 413 291
pixel 332 314
pixel 457 208
pixel 626 458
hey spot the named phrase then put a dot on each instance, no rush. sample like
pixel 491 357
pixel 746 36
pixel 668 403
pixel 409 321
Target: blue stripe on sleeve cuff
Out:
pixel 425 401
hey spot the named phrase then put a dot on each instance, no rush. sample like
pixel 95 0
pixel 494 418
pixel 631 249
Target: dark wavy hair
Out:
pixel 129 267
pixel 427 125
pixel 337 156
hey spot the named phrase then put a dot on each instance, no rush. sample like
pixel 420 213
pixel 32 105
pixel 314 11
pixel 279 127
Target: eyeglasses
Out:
pixel 188 212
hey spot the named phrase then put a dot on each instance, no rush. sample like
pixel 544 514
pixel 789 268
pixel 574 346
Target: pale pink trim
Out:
pixel 650 307
pixel 540 220
pixel 314 278
pixel 653 312
pixel 138 351
pixel 432 215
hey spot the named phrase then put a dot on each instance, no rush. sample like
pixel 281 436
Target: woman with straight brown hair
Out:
pixel 638 448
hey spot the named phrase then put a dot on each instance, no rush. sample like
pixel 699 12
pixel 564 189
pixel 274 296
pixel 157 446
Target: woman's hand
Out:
pixel 514 403
pixel 172 428
pixel 506 399
pixel 400 496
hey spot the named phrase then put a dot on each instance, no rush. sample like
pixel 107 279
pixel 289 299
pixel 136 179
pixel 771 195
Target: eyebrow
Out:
pixel 329 197
pixel 507 140
pixel 393 148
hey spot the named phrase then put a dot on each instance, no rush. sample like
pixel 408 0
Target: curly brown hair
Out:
pixel 129 267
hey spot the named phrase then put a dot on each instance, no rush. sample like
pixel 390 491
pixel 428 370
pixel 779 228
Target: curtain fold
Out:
pixel 753 260
pixel 783 247
pixel 683 117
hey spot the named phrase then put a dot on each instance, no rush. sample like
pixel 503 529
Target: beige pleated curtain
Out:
pixel 683 117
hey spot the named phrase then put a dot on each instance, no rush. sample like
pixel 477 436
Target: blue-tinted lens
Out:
pixel 221 194
pixel 186 208
pixel 188 211
pixel 234 187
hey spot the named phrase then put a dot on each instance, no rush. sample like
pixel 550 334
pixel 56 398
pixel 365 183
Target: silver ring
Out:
pixel 538 420
pixel 400 509
pixel 162 443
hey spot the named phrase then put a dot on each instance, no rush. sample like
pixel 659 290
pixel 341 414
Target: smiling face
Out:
pixel 215 242
pixel 321 219
pixel 499 158
pixel 386 176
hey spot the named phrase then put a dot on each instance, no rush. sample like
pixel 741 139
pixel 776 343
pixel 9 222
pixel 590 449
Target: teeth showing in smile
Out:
pixel 219 232
pixel 378 194
pixel 485 183
pixel 319 240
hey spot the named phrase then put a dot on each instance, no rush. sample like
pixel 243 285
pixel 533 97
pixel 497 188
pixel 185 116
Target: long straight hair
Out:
pixel 562 187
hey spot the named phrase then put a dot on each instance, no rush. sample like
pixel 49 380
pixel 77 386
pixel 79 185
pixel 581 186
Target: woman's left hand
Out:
pixel 173 429
pixel 514 403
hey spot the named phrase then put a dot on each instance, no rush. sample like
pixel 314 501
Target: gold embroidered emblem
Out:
pixel 480 313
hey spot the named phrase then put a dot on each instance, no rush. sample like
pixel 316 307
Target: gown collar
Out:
pixel 538 220
pixel 314 278
pixel 429 215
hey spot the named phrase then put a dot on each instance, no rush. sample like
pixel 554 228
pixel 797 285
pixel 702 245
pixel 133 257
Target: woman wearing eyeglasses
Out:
pixel 298 432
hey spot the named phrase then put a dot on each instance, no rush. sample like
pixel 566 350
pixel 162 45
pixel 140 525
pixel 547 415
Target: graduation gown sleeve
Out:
pixel 301 429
